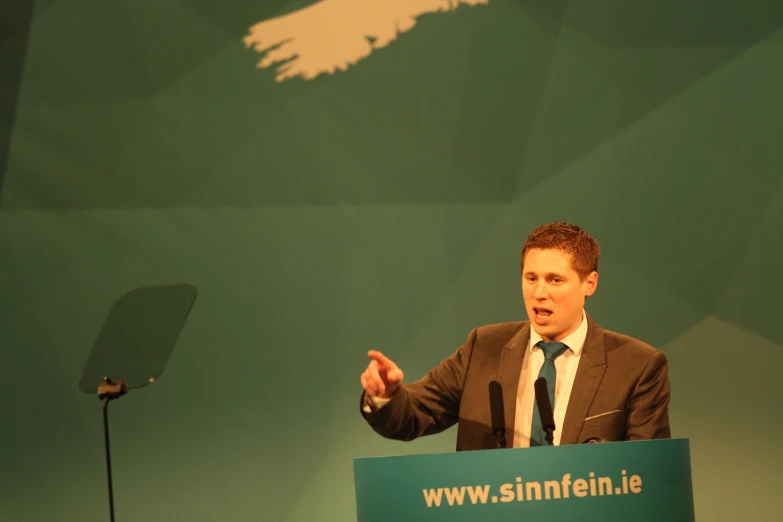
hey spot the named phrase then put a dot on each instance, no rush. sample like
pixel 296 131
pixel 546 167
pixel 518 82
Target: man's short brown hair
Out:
pixel 568 238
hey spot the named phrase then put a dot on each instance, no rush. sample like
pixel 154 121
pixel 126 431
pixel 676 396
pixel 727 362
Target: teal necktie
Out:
pixel 551 351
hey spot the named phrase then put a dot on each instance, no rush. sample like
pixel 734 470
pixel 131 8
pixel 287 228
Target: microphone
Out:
pixel 545 409
pixel 496 410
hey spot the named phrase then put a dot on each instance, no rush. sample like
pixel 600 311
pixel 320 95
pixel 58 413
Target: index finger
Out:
pixel 380 358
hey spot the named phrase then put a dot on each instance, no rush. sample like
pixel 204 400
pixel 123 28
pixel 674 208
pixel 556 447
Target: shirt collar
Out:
pixel 575 340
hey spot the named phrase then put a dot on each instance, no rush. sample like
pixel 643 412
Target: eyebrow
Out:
pixel 548 274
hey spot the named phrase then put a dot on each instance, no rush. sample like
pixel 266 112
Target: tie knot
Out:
pixel 552 350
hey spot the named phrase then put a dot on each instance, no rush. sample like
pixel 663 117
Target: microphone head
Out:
pixel 544 405
pixel 595 440
pixel 496 406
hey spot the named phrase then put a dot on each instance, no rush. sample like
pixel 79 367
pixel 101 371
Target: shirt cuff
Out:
pixel 372 403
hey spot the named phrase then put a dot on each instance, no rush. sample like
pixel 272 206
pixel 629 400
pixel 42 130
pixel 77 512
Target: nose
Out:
pixel 539 289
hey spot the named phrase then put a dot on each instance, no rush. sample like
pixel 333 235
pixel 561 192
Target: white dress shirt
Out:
pixel 565 366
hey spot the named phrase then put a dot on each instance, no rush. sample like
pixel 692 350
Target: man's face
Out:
pixel 553 292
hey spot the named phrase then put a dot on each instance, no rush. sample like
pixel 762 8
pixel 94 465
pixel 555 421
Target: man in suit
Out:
pixel 604 385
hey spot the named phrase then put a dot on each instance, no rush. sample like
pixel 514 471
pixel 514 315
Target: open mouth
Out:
pixel 542 314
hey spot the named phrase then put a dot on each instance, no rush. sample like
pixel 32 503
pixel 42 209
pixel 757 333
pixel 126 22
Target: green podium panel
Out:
pixel 639 481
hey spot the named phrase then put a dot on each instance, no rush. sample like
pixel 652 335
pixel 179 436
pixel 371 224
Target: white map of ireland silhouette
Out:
pixel 332 35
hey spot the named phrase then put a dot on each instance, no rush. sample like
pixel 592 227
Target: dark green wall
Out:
pixel 383 207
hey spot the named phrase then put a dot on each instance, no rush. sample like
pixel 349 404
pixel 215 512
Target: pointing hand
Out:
pixel 382 377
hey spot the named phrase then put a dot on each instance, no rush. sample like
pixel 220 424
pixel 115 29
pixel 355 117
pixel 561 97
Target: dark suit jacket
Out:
pixel 620 391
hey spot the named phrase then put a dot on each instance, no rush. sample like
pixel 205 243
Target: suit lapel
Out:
pixel 508 376
pixel 589 373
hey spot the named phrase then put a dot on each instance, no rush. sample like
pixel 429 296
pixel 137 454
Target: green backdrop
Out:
pixel 380 207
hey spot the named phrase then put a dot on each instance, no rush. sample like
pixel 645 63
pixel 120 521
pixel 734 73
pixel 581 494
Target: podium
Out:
pixel 643 481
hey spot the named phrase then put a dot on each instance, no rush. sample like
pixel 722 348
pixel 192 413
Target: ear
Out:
pixel 591 284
